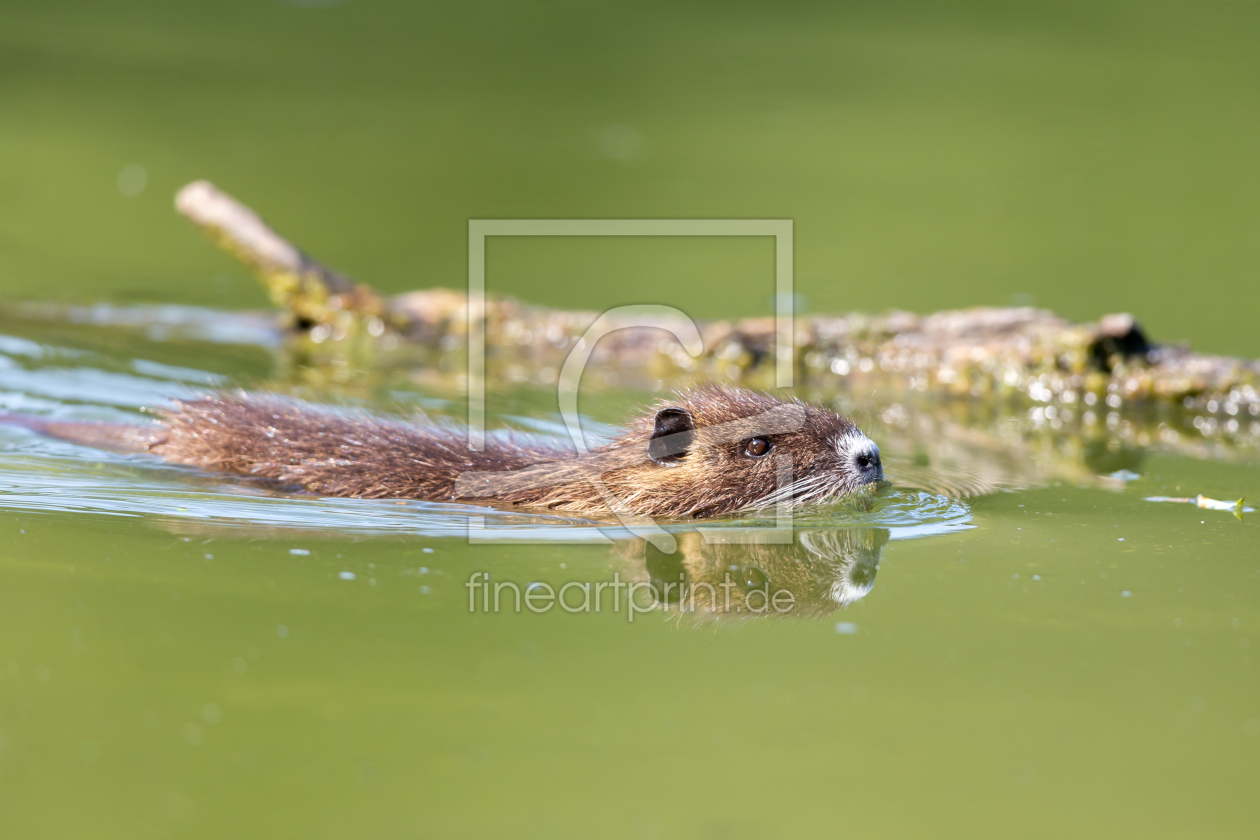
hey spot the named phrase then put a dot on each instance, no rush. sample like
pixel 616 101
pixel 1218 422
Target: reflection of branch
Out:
pixel 986 353
pixel 967 449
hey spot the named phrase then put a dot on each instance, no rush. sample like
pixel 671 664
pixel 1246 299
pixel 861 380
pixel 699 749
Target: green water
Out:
pixel 1056 658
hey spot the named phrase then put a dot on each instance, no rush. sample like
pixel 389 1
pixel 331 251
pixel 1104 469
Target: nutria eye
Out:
pixel 757 447
pixel 754 578
pixel 863 461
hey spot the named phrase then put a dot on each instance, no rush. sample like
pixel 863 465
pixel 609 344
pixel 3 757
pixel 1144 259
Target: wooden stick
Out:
pixel 984 353
pixel 312 294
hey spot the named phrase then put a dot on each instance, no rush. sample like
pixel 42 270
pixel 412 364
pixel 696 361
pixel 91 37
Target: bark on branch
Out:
pixel 311 293
pixel 981 353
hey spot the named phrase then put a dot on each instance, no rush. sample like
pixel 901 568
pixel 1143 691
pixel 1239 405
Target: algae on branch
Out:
pixel 1023 354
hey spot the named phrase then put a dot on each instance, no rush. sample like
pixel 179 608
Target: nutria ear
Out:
pixel 671 436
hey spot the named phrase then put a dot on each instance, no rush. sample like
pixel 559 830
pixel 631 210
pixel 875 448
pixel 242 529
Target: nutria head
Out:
pixel 714 450
pixel 705 452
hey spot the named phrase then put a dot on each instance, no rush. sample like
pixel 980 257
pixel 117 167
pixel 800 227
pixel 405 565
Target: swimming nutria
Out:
pixel 708 451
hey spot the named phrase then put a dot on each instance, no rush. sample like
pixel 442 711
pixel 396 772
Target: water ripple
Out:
pixel 40 474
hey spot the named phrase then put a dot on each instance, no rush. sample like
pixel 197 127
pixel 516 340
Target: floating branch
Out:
pixel 312 294
pixel 985 353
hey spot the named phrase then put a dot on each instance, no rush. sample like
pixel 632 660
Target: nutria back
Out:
pixel 331 452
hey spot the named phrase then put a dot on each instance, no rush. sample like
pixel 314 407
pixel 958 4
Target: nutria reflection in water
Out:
pixel 820 572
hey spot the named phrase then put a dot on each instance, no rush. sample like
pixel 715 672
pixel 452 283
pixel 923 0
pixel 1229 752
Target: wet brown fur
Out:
pixel 334 453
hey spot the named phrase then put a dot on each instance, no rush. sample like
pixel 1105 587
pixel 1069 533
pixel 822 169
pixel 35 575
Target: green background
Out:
pixel 1089 157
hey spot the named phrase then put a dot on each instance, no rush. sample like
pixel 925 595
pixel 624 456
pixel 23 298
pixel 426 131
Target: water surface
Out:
pixel 190 655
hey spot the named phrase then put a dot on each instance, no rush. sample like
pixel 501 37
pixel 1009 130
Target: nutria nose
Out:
pixel 868 463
